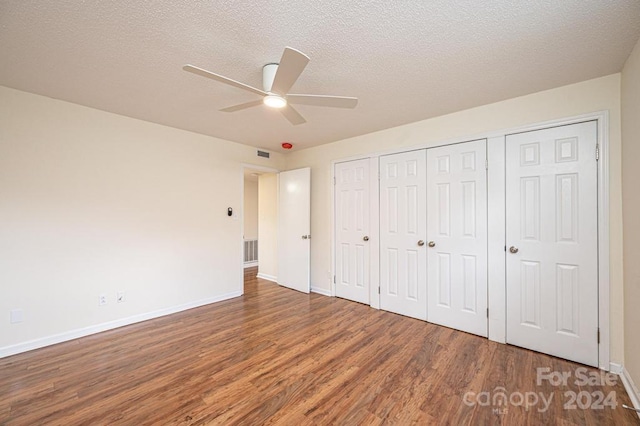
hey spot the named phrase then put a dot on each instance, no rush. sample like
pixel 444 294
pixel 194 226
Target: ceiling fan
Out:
pixel 277 79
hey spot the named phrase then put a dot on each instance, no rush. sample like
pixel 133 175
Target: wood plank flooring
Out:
pixel 276 356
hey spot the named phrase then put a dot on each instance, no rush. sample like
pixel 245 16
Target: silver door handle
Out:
pixel 431 244
pixel 513 249
pixel 365 238
pixel 420 243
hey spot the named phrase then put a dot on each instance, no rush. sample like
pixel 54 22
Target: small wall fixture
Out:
pixel 275 101
pixel 287 145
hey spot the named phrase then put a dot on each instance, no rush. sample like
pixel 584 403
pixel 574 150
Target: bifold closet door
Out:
pixel 457 233
pixel 403 255
pixel 352 230
pixel 552 245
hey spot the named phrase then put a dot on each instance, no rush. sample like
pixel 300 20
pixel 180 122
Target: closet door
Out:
pixel 352 230
pixel 552 246
pixel 457 232
pixel 403 255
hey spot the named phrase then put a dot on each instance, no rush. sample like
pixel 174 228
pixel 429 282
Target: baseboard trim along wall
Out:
pixel 250 264
pixel 267 277
pixel 322 291
pixel 615 368
pixel 631 388
pixel 98 328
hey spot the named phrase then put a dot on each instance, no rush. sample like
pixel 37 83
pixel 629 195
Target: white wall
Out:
pixel 92 202
pixel 268 226
pixel 250 212
pixel 589 96
pixel 631 201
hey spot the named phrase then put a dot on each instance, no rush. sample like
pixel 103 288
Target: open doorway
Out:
pixel 260 219
pixel 283 245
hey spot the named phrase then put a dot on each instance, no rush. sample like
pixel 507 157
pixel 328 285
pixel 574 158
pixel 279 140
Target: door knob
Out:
pixel 365 238
pixel 432 244
pixel 420 243
pixel 513 249
pixel 304 237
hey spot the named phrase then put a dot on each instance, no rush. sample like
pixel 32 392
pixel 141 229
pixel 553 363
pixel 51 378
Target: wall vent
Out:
pixel 250 251
pixel 264 154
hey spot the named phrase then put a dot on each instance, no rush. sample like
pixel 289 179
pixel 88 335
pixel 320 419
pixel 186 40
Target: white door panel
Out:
pixel 552 270
pixel 352 230
pixel 402 234
pixel 457 233
pixel 294 229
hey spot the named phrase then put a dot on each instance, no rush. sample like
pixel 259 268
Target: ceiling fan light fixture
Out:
pixel 275 101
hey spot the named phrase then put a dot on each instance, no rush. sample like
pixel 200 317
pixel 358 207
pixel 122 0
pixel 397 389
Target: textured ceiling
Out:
pixel 405 61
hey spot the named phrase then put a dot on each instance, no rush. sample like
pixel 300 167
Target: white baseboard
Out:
pixel 631 388
pixel 250 264
pixel 98 328
pixel 267 277
pixel 615 368
pixel 322 291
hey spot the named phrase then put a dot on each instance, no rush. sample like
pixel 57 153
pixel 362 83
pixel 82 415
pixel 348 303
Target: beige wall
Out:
pixel 631 202
pixel 585 97
pixel 95 203
pixel 250 212
pixel 268 225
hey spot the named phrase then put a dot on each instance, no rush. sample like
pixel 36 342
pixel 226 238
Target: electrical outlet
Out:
pixel 102 300
pixel 121 296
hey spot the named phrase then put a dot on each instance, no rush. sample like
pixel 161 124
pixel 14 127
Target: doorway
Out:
pixel 259 223
pixel 276 209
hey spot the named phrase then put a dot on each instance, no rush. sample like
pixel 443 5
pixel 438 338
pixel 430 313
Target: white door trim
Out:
pixel 497 236
pixel 374 224
pixel 603 242
pixel 496 240
pixel 496 208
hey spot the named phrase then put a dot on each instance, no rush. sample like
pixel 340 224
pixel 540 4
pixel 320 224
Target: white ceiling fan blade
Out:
pixel 239 107
pixel 324 100
pixel 292 115
pixel 222 79
pixel 291 66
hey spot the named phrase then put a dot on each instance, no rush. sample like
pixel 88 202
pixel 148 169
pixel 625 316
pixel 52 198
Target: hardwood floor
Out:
pixel 277 356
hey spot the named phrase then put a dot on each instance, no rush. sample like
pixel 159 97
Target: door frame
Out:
pixel 497 231
pixel 496 204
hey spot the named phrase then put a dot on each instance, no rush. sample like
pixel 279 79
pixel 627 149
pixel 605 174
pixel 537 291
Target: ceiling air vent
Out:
pixel 264 154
